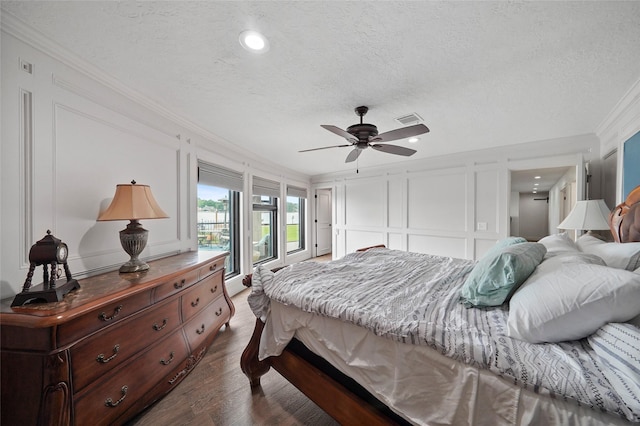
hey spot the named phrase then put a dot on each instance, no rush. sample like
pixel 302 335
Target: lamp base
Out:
pixel 134 265
pixel 134 239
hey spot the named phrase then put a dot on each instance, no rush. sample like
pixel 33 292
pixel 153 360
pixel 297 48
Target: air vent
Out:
pixel 412 118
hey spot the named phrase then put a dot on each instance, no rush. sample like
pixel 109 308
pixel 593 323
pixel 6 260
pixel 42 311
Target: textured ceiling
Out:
pixel 480 74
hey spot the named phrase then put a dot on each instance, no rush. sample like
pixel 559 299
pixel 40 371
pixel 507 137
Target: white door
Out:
pixel 323 222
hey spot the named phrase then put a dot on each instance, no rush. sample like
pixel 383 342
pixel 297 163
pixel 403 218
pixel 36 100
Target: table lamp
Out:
pixel 133 202
pixel 591 215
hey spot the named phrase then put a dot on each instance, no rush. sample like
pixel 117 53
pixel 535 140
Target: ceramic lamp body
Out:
pixel 134 240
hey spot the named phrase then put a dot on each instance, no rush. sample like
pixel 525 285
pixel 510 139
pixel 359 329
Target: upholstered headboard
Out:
pixel 624 220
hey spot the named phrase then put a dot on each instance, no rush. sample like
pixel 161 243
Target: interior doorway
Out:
pixel 540 199
pixel 323 222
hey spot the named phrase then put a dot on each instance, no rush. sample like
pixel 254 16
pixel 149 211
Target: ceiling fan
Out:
pixel 361 136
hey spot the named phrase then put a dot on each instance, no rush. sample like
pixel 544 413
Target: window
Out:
pixel 265 219
pixel 265 214
pixel 295 214
pixel 218 213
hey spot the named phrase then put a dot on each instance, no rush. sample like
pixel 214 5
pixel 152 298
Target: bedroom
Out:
pixel 90 99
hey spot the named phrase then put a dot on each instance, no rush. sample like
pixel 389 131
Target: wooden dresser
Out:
pixel 112 347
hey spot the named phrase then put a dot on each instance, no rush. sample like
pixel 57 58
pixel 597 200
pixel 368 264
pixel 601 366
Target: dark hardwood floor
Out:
pixel 216 392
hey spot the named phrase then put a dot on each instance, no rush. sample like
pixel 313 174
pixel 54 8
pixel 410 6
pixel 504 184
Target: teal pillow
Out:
pixel 499 274
pixel 501 244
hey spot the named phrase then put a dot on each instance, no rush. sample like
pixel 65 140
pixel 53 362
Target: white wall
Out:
pixel 556 200
pixel 70 134
pixel 455 205
pixel 621 123
pixel 514 214
pixel 534 216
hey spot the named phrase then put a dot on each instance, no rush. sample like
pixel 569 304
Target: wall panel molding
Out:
pixel 26 174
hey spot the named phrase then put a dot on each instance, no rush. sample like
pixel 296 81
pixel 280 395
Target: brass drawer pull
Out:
pixel 200 330
pixel 104 360
pixel 163 362
pixel 219 312
pixel 157 327
pixel 194 304
pixel 109 402
pixel 180 284
pixel 214 289
pixel 103 316
pixel 213 267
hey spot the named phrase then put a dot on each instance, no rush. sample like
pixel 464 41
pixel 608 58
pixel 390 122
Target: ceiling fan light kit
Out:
pixel 363 135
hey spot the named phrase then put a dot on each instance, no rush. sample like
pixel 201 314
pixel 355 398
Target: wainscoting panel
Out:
pixel 437 202
pixel 364 203
pixel 395 242
pixel 92 156
pixel 486 197
pixel 359 239
pixel 441 246
pixel 395 206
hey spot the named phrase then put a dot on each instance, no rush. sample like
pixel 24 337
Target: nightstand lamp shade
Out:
pixel 591 215
pixel 133 202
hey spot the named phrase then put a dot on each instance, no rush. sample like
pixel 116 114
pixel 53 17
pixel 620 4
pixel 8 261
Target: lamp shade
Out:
pixel 587 215
pixel 133 201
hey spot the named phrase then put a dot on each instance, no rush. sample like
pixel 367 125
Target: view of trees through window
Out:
pixel 216 218
pixel 265 215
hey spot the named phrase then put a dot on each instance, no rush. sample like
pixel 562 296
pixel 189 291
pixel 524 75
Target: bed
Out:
pixel 362 367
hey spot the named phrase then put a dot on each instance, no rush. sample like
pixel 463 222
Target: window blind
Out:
pixel 294 191
pixel 262 186
pixel 210 174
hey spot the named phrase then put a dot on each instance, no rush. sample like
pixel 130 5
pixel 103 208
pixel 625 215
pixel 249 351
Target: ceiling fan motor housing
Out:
pixel 363 131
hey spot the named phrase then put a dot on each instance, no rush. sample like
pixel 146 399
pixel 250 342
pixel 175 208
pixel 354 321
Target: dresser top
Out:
pixel 103 289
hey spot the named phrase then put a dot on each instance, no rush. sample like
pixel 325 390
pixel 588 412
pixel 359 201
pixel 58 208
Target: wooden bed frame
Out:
pixel 341 397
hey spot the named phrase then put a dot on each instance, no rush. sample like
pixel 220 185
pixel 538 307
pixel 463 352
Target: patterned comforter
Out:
pixel 414 298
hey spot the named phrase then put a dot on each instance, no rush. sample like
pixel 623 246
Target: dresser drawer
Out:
pixel 175 285
pixel 211 268
pixel 102 317
pixel 103 352
pixel 207 322
pixel 201 295
pixel 143 379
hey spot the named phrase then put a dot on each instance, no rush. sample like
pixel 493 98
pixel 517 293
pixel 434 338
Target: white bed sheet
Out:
pixel 417 382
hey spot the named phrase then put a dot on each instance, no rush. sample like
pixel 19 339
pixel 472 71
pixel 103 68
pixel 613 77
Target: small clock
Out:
pixel 49 252
pixel 61 253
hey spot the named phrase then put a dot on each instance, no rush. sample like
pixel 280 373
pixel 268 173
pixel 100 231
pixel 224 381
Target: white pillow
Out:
pixel 558 243
pixel 555 262
pixel 616 255
pixel 571 301
pixel 618 347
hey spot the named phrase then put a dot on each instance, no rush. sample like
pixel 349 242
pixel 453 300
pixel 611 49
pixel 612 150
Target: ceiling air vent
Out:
pixel 412 118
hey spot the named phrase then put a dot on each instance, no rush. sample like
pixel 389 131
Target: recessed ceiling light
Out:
pixel 536 177
pixel 253 41
pixel 413 140
pixel 535 192
pixel 536 184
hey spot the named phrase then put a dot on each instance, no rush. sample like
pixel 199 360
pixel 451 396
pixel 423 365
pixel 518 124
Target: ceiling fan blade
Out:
pixel 394 149
pixel 338 131
pixel 404 132
pixel 353 155
pixel 324 147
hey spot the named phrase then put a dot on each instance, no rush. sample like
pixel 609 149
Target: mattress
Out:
pixel 418 383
